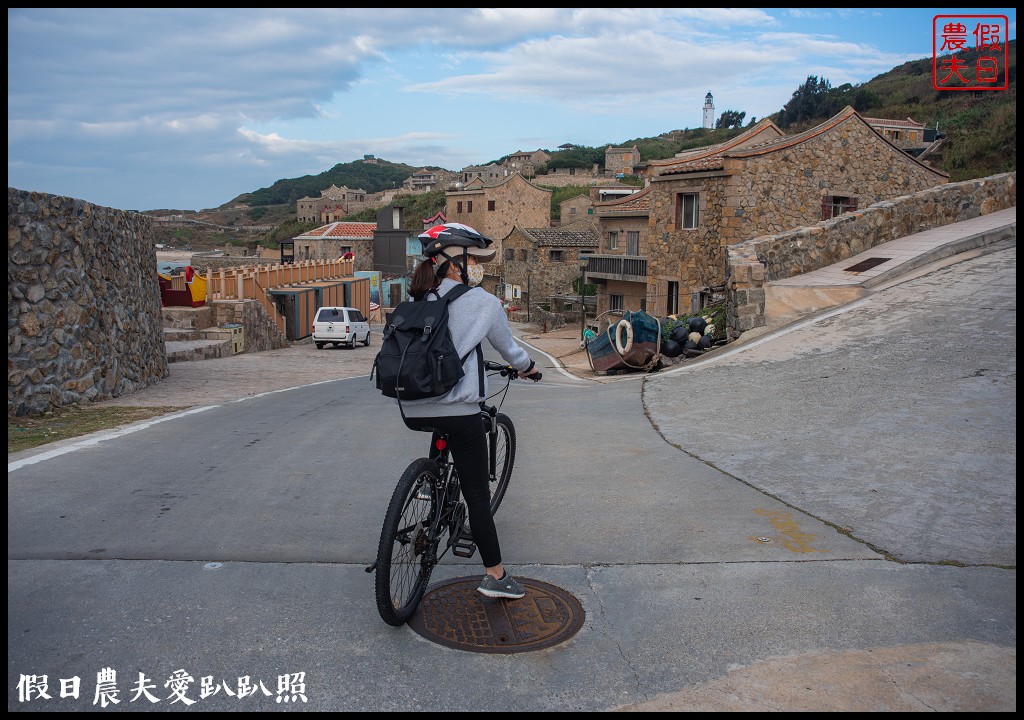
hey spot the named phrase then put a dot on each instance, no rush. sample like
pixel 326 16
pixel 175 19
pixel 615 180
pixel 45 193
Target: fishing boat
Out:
pixel 626 340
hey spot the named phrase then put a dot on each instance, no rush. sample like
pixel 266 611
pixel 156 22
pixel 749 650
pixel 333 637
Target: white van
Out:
pixel 337 325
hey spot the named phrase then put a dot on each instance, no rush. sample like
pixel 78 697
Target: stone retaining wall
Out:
pixel 260 331
pixel 83 303
pixel 753 263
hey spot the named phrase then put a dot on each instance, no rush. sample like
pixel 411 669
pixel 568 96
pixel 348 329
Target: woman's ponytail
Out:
pixel 424 279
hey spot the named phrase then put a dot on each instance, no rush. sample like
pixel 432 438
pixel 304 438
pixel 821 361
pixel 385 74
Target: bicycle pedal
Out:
pixel 464 546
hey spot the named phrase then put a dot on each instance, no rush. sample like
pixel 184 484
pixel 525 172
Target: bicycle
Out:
pixel 427 516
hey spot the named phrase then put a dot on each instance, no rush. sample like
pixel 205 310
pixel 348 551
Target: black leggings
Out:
pixel 467 440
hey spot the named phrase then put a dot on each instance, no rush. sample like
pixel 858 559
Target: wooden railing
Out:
pixel 252 283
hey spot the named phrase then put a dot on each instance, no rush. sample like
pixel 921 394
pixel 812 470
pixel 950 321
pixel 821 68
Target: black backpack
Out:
pixel 417 358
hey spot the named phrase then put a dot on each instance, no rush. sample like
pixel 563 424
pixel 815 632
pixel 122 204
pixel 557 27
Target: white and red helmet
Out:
pixel 452 240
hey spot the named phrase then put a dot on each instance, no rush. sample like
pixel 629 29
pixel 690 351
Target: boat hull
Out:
pixel 626 348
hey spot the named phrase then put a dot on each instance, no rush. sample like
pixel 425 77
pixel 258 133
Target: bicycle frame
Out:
pixel 449 492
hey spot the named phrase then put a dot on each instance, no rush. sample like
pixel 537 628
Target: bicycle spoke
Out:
pixel 405 556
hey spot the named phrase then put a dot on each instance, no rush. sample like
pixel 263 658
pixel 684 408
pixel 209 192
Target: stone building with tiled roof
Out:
pixel 333 204
pixel 331 241
pixel 526 162
pixel 493 209
pixel 426 180
pixel 619 265
pixel 546 259
pixel 759 183
pixel 621 160
pixel 904 134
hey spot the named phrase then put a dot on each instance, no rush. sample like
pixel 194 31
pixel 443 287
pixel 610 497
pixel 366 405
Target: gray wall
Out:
pixel 83 303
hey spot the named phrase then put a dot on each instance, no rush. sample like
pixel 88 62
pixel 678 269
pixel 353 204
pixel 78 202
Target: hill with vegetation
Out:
pixel 980 130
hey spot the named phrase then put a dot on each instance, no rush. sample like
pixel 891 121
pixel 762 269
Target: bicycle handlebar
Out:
pixel 509 371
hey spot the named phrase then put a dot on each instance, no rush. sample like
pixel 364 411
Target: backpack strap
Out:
pixel 451 296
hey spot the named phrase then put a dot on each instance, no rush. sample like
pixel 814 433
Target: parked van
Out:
pixel 337 325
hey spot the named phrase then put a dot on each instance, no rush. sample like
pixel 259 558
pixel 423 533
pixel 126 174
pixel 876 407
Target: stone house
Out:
pixel 904 134
pixel 584 174
pixel 494 209
pixel 331 241
pixel 337 201
pixel 620 160
pixel 526 163
pixel 544 261
pixel 619 265
pixel 425 180
pixel 762 182
pixel 489 173
pixel 575 209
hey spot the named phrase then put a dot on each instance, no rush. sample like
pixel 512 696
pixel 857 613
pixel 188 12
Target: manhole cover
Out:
pixel 867 264
pixel 454 614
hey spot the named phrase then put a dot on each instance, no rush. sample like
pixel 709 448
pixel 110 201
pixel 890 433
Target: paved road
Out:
pixel 872 447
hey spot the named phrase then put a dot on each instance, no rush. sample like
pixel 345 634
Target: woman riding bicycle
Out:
pixel 453 253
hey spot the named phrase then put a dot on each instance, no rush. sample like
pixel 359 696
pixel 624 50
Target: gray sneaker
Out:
pixel 504 588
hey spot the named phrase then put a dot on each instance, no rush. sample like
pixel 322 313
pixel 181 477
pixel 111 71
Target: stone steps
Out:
pixel 189 334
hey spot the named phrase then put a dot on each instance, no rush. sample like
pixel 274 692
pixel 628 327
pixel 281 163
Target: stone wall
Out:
pixel 260 331
pixel 775 191
pixel 83 303
pixel 754 263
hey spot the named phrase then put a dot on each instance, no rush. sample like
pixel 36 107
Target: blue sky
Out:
pixel 188 108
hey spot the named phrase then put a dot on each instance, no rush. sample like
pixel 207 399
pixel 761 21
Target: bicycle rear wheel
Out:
pixel 407 554
pixel 505 458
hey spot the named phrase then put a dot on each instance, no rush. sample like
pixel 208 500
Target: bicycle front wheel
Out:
pixel 504 459
pixel 407 553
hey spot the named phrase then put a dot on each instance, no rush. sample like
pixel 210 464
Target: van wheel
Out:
pixel 366 342
pixel 354 341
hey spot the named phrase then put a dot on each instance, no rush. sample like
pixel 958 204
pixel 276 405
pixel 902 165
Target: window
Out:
pixel 469 206
pixel 490 205
pixel 835 205
pixel 672 304
pixel 615 302
pixel 458 207
pixel 510 254
pixel 555 255
pixel 572 211
pixel 633 242
pixel 688 210
pixel 613 240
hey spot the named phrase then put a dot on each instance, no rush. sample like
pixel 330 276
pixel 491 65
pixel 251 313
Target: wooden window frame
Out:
pixel 688 214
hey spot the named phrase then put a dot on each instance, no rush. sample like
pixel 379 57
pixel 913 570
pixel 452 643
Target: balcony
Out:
pixel 630 268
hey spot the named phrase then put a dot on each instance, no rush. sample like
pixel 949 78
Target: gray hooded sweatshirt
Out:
pixel 472 318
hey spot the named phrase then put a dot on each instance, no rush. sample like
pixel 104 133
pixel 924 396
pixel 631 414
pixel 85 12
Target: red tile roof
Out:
pixel 710 157
pixel 345 230
pixel 637 201
pixel 908 123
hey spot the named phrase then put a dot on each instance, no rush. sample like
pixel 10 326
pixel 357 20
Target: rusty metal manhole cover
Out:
pixel 867 264
pixel 454 614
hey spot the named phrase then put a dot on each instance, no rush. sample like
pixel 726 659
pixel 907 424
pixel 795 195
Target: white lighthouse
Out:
pixel 709 111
